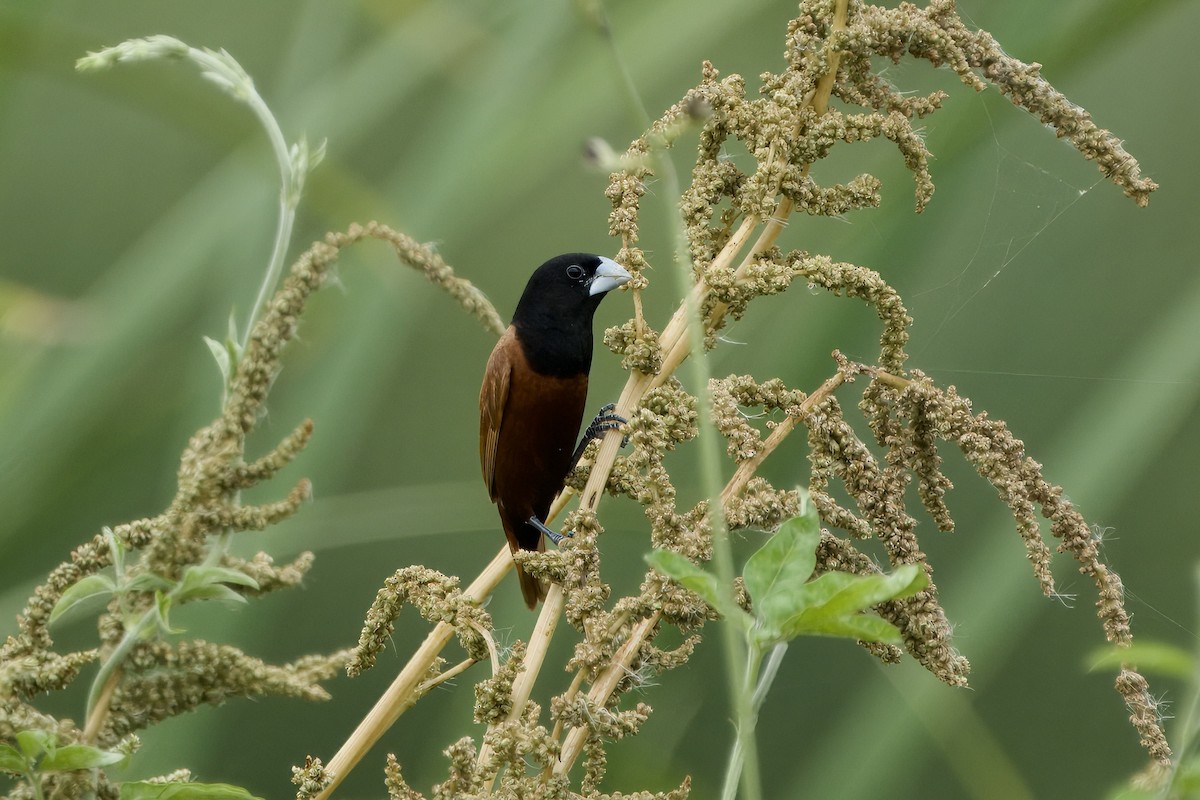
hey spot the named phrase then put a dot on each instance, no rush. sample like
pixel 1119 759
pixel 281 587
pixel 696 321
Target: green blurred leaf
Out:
pixel 162 617
pixel 221 355
pixel 869 590
pixel 786 560
pixel 818 622
pixel 117 549
pixel 33 743
pixel 212 591
pixel 209 582
pixel 1157 657
pixel 81 591
pixel 1133 793
pixel 147 582
pixel 813 594
pixel 11 760
pixel 225 575
pixel 201 575
pixel 145 790
pixel 1187 780
pixel 703 583
pixel 832 605
pixel 78 756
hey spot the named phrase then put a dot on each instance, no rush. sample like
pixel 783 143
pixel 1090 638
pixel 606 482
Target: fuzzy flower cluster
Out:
pixel 733 212
pixel 181 556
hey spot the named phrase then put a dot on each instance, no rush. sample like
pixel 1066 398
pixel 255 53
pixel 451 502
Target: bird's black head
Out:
pixel 554 316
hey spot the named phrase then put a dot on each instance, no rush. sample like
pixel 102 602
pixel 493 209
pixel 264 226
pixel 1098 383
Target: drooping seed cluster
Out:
pixel 156 557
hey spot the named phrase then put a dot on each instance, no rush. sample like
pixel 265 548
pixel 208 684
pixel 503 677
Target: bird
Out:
pixel 533 397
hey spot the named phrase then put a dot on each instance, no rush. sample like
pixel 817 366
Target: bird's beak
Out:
pixel 609 275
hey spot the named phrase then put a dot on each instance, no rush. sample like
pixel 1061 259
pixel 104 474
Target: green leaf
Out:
pixel 11 760
pixel 208 582
pixel 78 756
pixel 818 622
pixel 82 590
pixel 212 591
pixel 703 583
pixel 145 790
pixel 224 575
pixel 146 582
pixel 786 560
pixel 220 354
pixel 869 590
pixel 783 605
pixel 117 548
pixel 162 616
pixel 832 605
pixel 1156 657
pixel 231 332
pixel 33 743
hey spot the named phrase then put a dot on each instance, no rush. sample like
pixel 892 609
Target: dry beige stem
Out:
pixel 401 695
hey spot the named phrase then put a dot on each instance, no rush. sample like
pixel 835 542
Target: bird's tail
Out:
pixel 533 589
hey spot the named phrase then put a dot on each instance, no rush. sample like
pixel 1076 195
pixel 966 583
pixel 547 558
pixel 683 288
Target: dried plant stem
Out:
pixel 446 675
pixel 676 347
pixel 603 687
pixel 572 690
pixel 887 378
pixel 491 645
pixel 99 714
pixel 535 656
pixel 674 343
pixel 400 696
pixel 747 468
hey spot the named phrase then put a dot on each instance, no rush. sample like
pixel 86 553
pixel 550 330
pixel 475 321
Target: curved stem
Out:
pixel 291 183
pixel 401 695
pixel 104 684
pixel 535 656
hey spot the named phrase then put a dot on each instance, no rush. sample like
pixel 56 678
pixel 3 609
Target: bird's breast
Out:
pixel 537 438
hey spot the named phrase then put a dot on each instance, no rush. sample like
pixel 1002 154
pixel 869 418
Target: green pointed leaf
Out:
pixel 869 590
pixel 698 580
pixel 116 548
pixel 783 605
pixel 1156 657
pixel 147 582
pixel 220 354
pixel 866 627
pixel 786 560
pixel 78 756
pixel 145 790
pixel 204 583
pixel 81 591
pixel 11 760
pixel 33 743
pixel 212 591
pixel 831 605
pixel 224 575
pixel 162 616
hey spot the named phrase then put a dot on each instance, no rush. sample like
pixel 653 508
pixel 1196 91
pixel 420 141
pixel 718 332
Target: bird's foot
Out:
pixel 604 422
pixel 552 535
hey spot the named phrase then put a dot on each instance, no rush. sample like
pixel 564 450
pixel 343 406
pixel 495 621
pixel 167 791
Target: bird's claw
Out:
pixel 553 535
pixel 605 421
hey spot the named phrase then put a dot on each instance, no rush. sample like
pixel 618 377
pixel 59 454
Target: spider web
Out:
pixel 1025 201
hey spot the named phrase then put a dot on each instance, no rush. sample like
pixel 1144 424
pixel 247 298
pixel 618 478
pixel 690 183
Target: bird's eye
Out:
pixel 574 272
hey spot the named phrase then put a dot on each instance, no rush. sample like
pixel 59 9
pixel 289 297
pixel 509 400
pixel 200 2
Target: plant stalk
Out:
pixel 400 696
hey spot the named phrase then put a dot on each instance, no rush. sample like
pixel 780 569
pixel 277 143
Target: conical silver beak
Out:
pixel 609 275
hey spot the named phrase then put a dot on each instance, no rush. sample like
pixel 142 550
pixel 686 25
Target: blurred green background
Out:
pixel 137 207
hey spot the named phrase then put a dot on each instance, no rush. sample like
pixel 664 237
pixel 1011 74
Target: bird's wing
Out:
pixel 493 396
